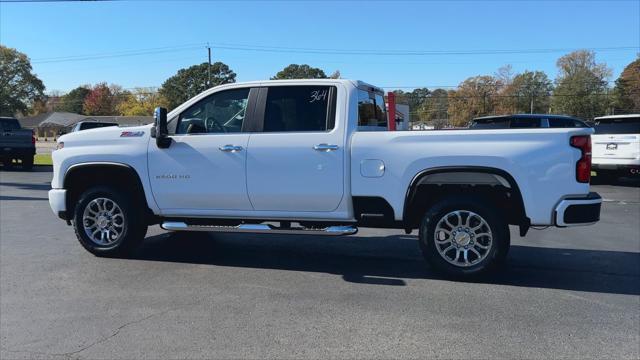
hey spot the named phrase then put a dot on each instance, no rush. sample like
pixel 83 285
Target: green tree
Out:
pixel 476 96
pixel 141 102
pixel 295 71
pixel 436 105
pixel 19 87
pixel 73 101
pixel 529 92
pixel 193 80
pixel 581 85
pixel 627 89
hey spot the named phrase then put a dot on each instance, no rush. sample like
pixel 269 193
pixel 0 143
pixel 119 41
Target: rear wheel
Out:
pixel 27 163
pixel 463 237
pixel 107 224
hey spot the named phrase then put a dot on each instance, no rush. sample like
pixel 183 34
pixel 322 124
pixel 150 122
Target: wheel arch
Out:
pixel 79 177
pixel 465 176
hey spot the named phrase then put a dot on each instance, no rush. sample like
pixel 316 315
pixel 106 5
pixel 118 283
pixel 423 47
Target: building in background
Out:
pixel 49 125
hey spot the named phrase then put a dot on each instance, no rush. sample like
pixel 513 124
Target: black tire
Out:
pixel 132 233
pixel 489 259
pixel 27 163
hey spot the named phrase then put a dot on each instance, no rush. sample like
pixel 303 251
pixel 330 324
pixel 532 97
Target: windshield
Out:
pixel 618 126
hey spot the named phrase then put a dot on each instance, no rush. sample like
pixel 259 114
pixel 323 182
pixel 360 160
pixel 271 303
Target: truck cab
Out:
pixel 315 157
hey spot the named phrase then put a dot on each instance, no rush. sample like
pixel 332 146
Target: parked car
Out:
pixel 16 143
pixel 616 145
pixel 526 121
pixel 314 157
pixel 86 125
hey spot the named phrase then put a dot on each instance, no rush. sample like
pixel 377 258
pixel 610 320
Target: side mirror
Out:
pixel 160 129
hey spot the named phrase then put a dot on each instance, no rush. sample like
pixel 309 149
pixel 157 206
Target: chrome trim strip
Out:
pixel 259 229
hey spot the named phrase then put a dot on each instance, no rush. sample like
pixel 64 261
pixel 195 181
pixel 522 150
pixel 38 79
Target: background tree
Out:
pixel 476 96
pixel 627 89
pixel 19 87
pixel 191 81
pixel 581 85
pixel 295 71
pixel 435 107
pixel 141 102
pixel 103 100
pixel 529 92
pixel 73 101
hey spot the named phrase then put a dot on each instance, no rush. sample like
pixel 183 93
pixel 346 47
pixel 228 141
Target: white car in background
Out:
pixel 616 145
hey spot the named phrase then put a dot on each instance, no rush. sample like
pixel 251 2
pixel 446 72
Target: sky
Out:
pixel 392 44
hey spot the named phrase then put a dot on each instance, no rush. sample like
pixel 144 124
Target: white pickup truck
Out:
pixel 314 157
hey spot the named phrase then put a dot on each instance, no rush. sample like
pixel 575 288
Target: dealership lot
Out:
pixel 564 292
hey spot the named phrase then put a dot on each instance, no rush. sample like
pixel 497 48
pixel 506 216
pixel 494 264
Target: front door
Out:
pixel 204 168
pixel 296 163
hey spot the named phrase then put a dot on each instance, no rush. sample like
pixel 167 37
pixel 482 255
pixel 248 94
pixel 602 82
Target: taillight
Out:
pixel 583 166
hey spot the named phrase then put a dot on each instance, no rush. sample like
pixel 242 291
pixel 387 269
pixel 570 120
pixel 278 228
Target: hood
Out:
pixel 106 134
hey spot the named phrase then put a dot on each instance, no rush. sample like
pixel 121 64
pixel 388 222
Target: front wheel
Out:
pixel 463 237
pixel 106 222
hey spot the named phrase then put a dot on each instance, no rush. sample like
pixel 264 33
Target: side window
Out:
pixel 299 108
pixel 222 112
pixel 563 123
pixel 371 111
pixel 517 123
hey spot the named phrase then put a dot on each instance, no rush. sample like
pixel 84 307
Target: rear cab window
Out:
pixel 9 124
pixel 372 113
pixel 621 125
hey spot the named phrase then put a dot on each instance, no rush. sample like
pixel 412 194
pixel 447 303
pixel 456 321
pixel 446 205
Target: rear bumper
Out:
pixel 58 203
pixel 626 168
pixel 578 211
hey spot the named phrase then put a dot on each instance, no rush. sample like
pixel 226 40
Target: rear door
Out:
pixel 295 160
pixel 617 139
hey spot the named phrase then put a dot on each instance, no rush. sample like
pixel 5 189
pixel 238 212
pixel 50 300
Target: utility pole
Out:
pixel 531 110
pixel 209 67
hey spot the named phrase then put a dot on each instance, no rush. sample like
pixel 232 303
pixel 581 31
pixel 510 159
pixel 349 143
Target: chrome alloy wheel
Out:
pixel 463 238
pixel 103 221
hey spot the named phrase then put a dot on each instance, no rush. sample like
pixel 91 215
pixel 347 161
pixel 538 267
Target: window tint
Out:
pixel 222 112
pixel 565 123
pixel 518 123
pixel 497 123
pixel 86 126
pixel 9 124
pixel 371 110
pixel 630 125
pixel 299 108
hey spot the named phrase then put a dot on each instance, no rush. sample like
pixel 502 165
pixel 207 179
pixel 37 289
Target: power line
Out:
pixel 323 51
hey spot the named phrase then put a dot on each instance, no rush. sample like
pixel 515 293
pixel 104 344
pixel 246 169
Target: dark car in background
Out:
pixel 16 143
pixel 528 121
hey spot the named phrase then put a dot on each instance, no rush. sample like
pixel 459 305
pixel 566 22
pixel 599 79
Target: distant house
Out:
pixel 51 123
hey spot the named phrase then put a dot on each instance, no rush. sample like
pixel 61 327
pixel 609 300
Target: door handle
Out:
pixel 230 148
pixel 325 147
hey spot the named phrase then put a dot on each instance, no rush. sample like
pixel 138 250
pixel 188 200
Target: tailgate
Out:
pixel 16 138
pixel 616 146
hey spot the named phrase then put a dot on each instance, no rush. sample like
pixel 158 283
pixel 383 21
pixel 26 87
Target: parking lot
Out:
pixel 563 293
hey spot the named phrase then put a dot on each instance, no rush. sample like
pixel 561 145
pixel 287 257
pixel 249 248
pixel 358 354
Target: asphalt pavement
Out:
pixel 564 293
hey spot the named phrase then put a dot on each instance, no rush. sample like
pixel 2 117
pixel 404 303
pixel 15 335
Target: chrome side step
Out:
pixel 260 229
